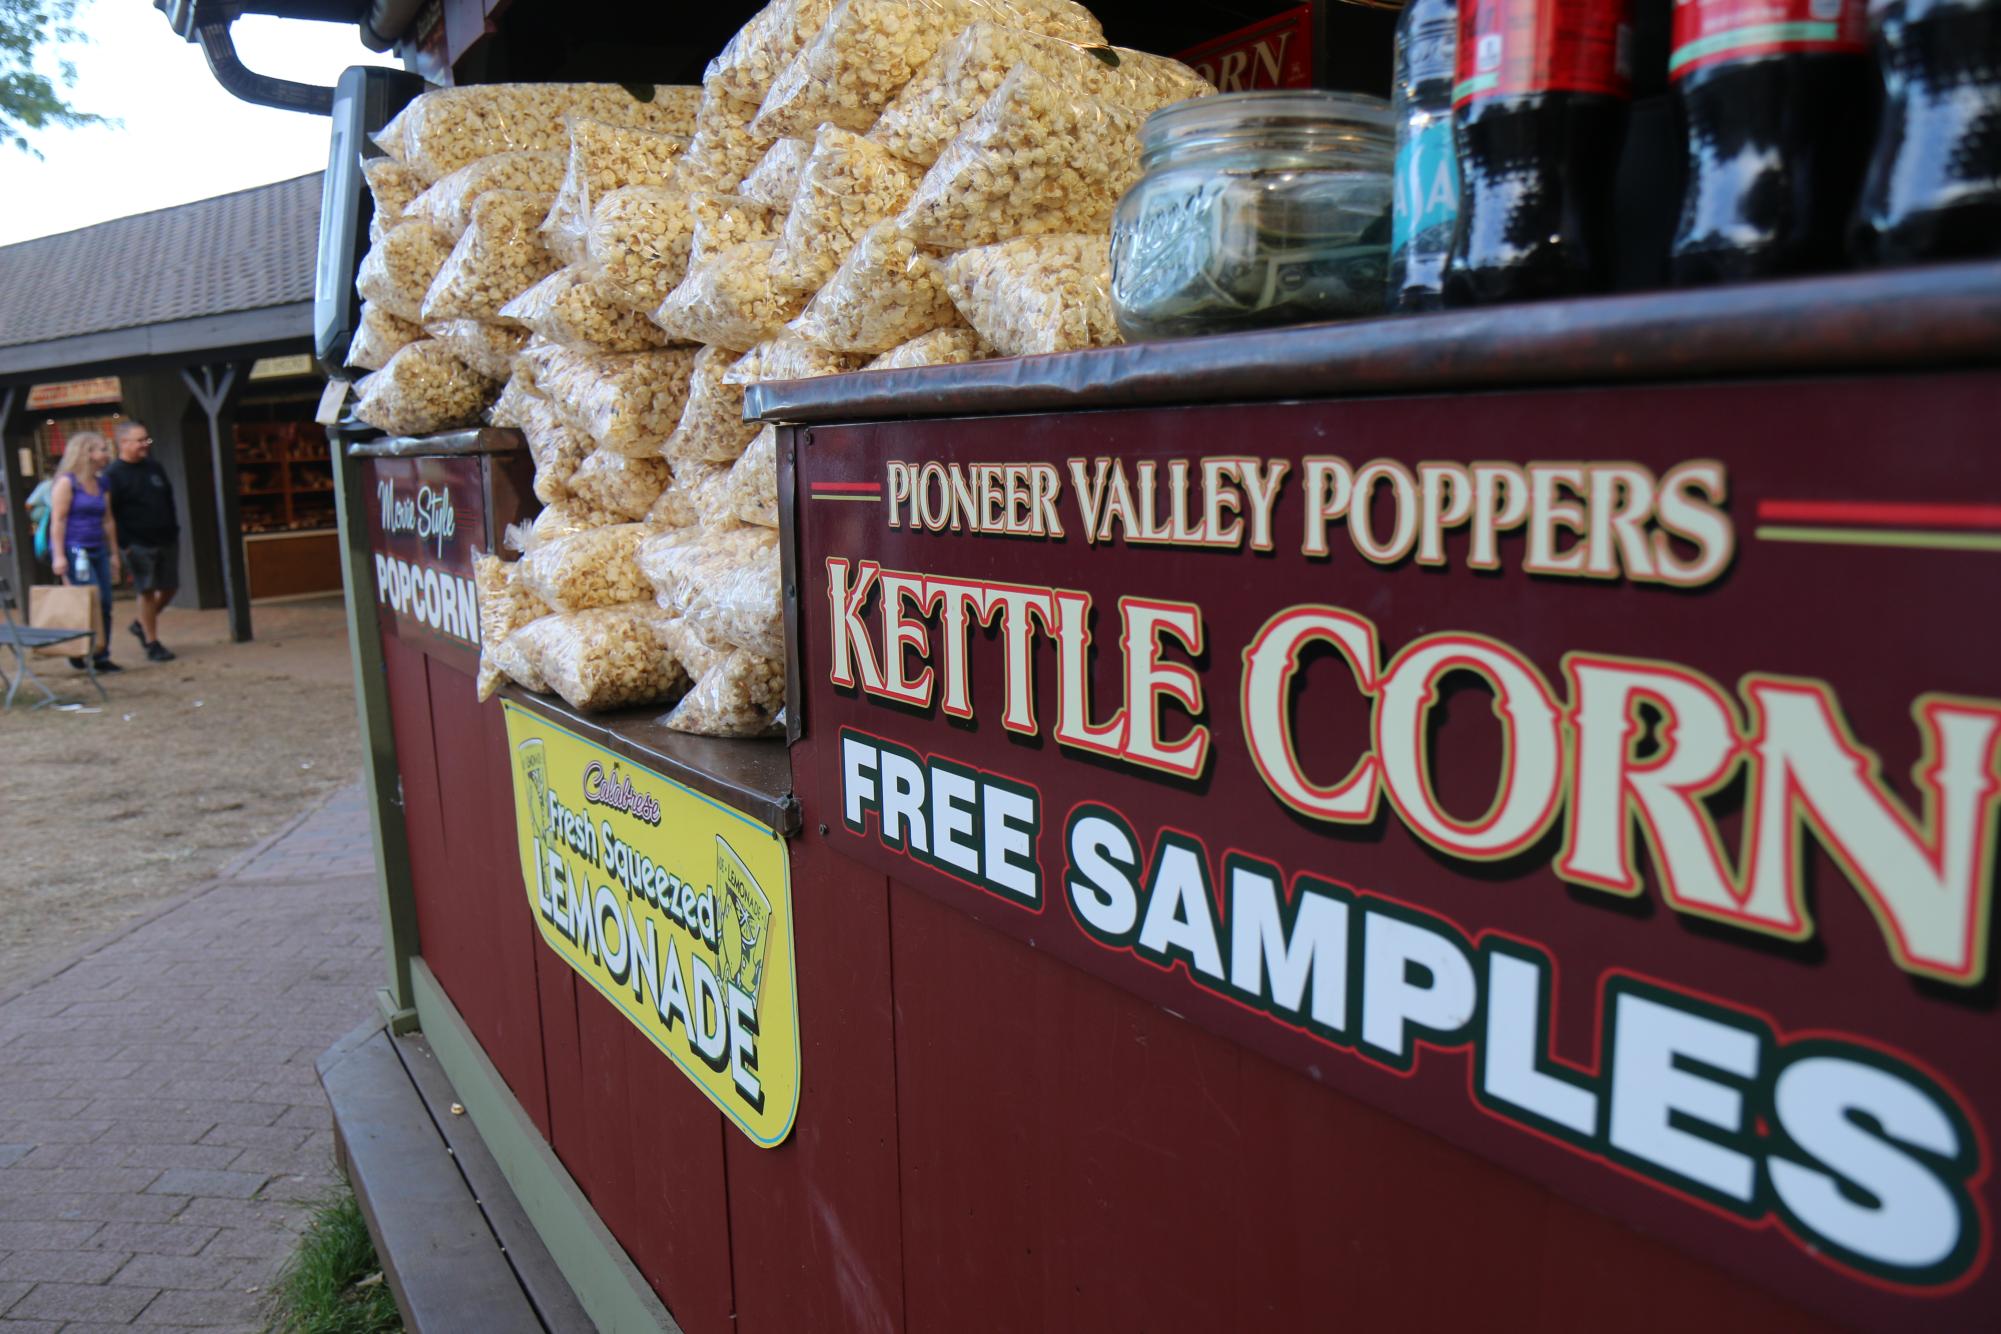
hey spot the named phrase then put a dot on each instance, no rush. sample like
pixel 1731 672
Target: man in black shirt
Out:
pixel 142 501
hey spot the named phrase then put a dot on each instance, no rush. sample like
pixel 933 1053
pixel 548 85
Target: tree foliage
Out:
pixel 29 99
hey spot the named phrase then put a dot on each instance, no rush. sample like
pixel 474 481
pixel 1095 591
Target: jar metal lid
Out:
pixel 1306 112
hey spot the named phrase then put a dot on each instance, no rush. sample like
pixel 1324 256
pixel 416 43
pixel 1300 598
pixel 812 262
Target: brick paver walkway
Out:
pixel 162 1133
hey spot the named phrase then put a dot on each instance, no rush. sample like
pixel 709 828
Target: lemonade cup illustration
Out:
pixel 534 759
pixel 745 915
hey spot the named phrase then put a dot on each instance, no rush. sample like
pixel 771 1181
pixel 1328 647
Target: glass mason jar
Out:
pixel 1255 209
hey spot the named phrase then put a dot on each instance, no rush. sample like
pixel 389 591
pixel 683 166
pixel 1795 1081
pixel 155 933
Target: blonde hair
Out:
pixel 77 450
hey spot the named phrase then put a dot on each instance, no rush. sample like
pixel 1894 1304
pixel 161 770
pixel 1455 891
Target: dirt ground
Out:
pixel 107 814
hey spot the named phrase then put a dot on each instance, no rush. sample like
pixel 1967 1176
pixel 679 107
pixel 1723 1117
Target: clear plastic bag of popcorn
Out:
pixel 730 300
pixel 392 186
pixel 557 448
pixel 378 337
pixel 694 496
pixel 725 147
pixel 500 256
pixel 775 178
pixel 609 657
pixel 399 269
pixel 1038 158
pixel 712 428
pixel 740 695
pixel 1037 293
pixel 447 128
pixel 571 309
pixel 788 357
pixel 847 186
pixel 629 402
pixel 424 388
pixel 637 244
pixel 619 485
pixel 604 158
pixel 505 605
pixel 393 138
pixel 595 567
pixel 763 47
pixel 723 222
pixel 940 347
pixel 741 602
pixel 489 349
pixel 752 490
pixel 952 87
pixel 679 560
pixel 559 520
pixel 517 656
pixel 887 291
pixel 447 203
pixel 869 49
pixel 515 402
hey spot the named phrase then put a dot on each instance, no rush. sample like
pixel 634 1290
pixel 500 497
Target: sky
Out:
pixel 183 137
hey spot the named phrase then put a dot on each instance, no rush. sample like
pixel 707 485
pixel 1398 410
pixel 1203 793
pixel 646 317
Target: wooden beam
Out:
pixel 212 392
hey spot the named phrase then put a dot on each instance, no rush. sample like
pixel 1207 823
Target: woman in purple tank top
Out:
pixel 83 537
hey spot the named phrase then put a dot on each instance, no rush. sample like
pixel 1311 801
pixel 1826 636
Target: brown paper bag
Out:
pixel 67 607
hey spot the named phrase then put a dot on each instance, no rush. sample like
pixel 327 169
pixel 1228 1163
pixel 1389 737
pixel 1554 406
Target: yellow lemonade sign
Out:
pixel 675 906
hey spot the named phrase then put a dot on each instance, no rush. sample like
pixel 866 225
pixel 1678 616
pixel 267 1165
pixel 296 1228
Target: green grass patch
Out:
pixel 334 1284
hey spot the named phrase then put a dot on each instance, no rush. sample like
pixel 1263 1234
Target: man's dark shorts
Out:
pixel 154 569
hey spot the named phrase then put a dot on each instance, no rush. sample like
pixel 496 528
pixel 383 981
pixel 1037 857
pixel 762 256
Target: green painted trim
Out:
pixel 380 776
pixel 397 1019
pixel 611 1288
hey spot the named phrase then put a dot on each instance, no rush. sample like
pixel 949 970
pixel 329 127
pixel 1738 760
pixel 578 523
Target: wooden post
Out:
pixel 212 393
pixel 14 527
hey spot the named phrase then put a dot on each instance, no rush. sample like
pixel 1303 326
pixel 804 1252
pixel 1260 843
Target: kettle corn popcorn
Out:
pixel 751 493
pixel 489 349
pixel 1037 293
pixel 868 50
pixel 447 203
pixel 886 292
pixel 573 310
pixel 606 657
pixel 940 347
pixel 505 605
pixel 500 256
pixel 764 46
pixel 637 244
pixel 596 567
pixel 730 300
pixel 618 485
pixel 629 402
pixel 788 357
pixel 1038 158
pixel 723 221
pixel 694 497
pixel 557 448
pixel 725 146
pixel 741 694
pixel 424 388
pixel 379 336
pixel 446 128
pixel 950 90
pixel 712 428
pixel 392 186
pixel 604 158
pixel 848 185
pixel 776 176
pixel 398 270
pixel 516 656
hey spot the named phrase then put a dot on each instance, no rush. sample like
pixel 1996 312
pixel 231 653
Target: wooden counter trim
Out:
pixel 475 440
pixel 755 776
pixel 1929 318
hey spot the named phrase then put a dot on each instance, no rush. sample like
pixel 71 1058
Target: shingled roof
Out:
pixel 237 252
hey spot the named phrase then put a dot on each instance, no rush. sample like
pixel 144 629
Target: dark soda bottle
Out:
pixel 1933 189
pixel 1427 169
pixel 1539 111
pixel 1777 101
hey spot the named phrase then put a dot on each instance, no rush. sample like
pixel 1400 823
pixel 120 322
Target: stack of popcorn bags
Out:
pixel 863 184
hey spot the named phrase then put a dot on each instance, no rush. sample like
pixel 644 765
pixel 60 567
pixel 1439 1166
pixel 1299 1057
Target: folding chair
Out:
pixel 25 640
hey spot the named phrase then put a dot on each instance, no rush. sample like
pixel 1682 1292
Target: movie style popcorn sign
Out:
pixel 426 520
pixel 1615 793
pixel 675 907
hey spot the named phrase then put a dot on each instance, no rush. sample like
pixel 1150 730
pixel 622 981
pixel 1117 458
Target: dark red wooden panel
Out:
pixel 416 757
pixel 680 1234
pixel 517 938
pixel 556 991
pixel 604 1047
pixel 1073 1158
pixel 815 1224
